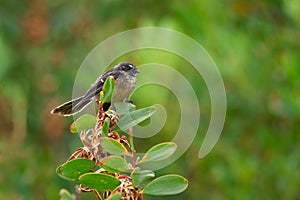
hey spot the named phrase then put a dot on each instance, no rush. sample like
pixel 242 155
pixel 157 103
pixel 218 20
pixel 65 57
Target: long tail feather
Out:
pixel 71 107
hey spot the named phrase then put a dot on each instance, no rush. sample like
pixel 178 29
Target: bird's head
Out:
pixel 128 68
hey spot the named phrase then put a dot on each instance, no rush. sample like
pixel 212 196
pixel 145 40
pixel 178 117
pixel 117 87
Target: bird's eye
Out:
pixel 127 67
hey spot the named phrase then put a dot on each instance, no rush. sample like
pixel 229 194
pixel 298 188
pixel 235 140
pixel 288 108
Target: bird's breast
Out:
pixel 125 84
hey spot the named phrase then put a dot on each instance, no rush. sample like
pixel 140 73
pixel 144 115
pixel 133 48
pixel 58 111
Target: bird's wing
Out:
pixel 96 87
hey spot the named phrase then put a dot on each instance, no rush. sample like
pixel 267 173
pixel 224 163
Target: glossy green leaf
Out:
pixel 108 89
pixel 112 146
pixel 99 182
pixel 123 108
pixel 135 117
pixel 84 122
pixel 166 185
pixel 159 152
pixel 105 127
pixel 65 195
pixel 142 178
pixel 75 168
pixel 116 196
pixel 114 164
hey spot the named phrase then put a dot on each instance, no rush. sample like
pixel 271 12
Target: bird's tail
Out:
pixel 71 107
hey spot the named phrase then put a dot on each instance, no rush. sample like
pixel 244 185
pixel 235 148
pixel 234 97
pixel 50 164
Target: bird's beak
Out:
pixel 137 71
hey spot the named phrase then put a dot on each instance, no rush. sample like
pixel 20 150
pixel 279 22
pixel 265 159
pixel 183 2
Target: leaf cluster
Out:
pixel 107 164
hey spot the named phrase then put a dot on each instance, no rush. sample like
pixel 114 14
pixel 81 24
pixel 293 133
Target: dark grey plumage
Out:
pixel 125 75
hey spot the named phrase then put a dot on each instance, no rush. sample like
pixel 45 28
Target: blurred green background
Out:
pixel 255 44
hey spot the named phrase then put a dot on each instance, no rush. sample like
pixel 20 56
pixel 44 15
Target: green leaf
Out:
pixel 159 152
pixel 65 195
pixel 135 177
pixel 123 108
pixel 108 89
pixel 112 146
pixel 116 196
pixel 130 137
pixel 105 127
pixel 75 168
pixel 166 185
pixel 99 182
pixel 101 95
pixel 84 122
pixel 142 178
pixel 114 164
pixel 135 117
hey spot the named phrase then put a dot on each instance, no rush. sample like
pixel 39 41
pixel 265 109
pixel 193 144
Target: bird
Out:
pixel 124 74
